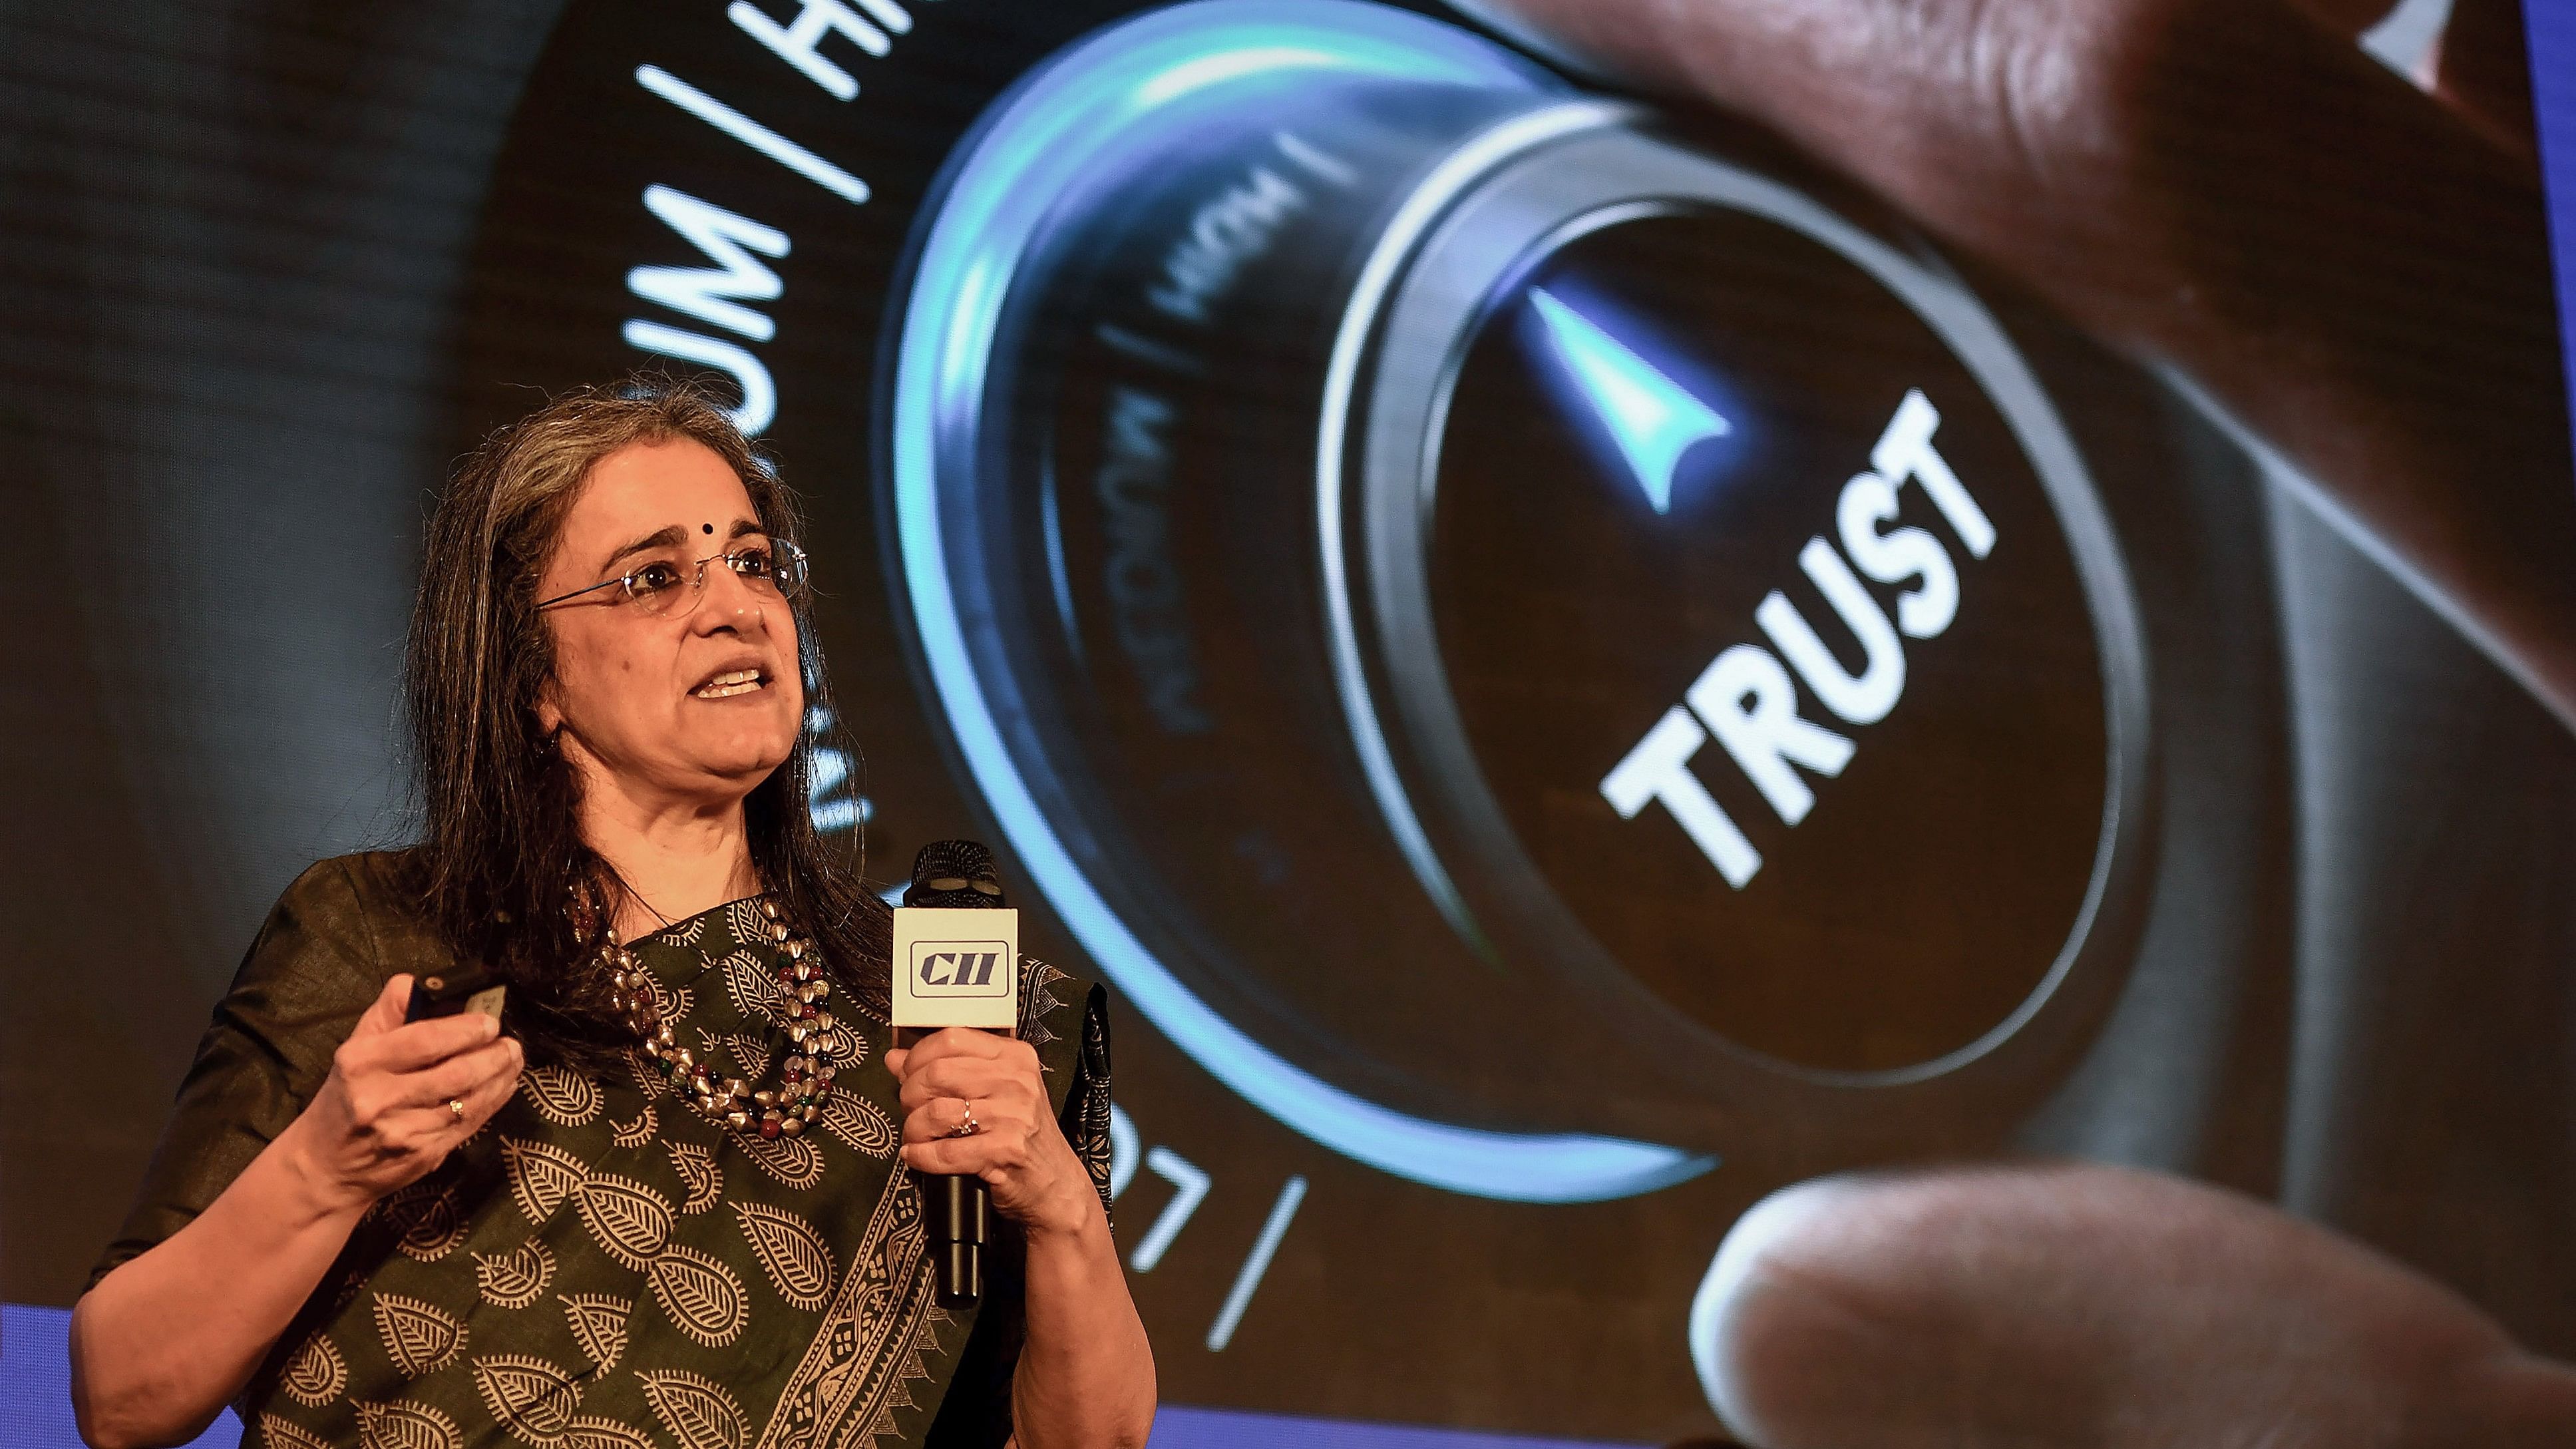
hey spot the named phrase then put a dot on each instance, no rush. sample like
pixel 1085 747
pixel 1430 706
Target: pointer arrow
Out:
pixel 1652 419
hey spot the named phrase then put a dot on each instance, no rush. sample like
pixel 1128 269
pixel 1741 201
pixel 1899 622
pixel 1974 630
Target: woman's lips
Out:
pixel 731 683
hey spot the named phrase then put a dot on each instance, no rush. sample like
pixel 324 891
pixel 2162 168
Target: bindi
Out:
pixel 706 528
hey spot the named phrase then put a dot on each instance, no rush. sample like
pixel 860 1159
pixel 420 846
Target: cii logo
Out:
pixel 960 968
pixel 1652 418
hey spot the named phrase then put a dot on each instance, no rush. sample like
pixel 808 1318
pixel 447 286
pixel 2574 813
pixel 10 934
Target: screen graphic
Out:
pixel 1571 661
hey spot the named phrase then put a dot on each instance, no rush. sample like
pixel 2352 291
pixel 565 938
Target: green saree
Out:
pixel 600 1267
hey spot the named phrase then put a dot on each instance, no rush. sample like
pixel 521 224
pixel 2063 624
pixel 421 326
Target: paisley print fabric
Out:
pixel 601 1266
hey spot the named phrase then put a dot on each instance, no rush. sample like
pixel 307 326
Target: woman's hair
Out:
pixel 505 876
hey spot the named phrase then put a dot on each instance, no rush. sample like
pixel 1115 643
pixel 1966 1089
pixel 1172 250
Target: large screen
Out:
pixel 1573 648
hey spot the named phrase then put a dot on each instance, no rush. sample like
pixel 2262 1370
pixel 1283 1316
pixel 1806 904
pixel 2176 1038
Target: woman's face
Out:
pixel 694 705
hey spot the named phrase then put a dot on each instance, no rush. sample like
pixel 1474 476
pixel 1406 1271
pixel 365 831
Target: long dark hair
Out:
pixel 504 874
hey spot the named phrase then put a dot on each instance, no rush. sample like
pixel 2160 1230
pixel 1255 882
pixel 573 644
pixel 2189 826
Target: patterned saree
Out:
pixel 600 1267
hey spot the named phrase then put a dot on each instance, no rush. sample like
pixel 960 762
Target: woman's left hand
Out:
pixel 1016 1147
pixel 1086 1372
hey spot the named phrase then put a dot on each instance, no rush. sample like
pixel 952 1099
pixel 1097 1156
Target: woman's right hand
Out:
pixel 163 1341
pixel 383 1118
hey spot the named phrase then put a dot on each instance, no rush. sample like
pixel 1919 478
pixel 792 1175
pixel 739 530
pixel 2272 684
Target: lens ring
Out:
pixel 1548 199
pixel 977 516
pixel 1034 151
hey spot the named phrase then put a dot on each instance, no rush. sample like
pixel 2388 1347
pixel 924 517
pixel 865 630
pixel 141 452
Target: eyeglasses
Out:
pixel 774 568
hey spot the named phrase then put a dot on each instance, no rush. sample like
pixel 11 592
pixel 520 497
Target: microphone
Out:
pixel 952 968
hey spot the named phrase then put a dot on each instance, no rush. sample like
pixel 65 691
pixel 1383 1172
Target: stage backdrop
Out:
pixel 1570 665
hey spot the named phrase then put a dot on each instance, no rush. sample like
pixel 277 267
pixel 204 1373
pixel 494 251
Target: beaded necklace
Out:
pixel 805 1077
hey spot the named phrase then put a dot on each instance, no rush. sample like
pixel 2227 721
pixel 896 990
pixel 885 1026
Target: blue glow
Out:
pixel 1179 1426
pixel 1222 66
pixel 36 1385
pixel 1652 418
pixel 1052 132
pixel 2550 32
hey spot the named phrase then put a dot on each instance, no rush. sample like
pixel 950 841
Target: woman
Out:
pixel 660 1201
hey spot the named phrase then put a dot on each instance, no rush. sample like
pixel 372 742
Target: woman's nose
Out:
pixel 729 601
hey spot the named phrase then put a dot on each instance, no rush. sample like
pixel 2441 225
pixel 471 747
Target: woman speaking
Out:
pixel 659 1200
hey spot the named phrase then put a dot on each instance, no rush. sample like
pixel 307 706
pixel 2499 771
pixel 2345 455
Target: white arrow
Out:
pixel 1651 417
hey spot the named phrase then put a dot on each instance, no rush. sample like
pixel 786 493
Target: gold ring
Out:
pixel 968 1127
pixel 457 1106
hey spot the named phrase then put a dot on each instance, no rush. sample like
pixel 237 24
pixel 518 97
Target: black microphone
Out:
pixel 957 1211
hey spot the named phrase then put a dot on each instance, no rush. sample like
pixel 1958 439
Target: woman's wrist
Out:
pixel 316 1192
pixel 1071 1218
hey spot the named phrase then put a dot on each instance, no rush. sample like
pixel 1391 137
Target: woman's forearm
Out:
pixel 1086 1374
pixel 164 1341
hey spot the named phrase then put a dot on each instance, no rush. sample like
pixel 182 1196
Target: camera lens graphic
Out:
pixel 1443 586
